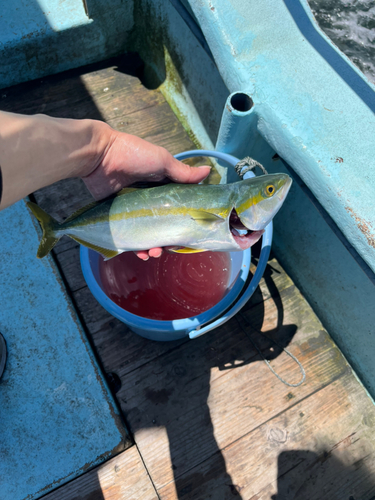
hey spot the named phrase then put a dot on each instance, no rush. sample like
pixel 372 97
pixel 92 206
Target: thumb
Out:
pixel 180 172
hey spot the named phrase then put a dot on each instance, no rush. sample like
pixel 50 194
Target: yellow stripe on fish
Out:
pixel 195 213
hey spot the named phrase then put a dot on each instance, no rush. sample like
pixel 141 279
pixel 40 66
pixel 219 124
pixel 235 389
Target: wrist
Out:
pixel 79 145
pixel 99 138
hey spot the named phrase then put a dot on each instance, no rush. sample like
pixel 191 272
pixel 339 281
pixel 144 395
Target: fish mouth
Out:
pixel 245 240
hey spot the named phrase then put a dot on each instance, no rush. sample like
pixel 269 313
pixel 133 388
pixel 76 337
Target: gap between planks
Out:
pixel 210 431
pixel 122 477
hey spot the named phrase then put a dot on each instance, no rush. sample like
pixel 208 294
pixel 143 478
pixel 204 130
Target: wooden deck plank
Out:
pixel 92 91
pixel 210 392
pixel 209 419
pixel 321 448
pixel 120 350
pixel 122 477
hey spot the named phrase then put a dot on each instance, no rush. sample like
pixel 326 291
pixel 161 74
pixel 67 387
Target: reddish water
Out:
pixel 171 287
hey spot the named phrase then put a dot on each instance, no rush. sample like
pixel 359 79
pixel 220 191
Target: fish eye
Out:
pixel 270 190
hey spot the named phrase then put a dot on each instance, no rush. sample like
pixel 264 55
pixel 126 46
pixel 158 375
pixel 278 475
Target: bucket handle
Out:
pixel 263 258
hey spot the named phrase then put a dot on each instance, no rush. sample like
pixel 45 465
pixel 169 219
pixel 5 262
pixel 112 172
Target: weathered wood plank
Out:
pixel 210 419
pixel 120 350
pixel 320 448
pixel 117 95
pixel 93 91
pixel 210 392
pixel 123 477
pixel 69 262
pixel 155 125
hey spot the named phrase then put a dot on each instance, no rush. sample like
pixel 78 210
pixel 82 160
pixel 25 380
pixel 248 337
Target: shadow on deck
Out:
pixel 209 419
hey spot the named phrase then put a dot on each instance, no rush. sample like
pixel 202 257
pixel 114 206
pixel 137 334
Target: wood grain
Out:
pixel 120 350
pixel 210 392
pixel 122 477
pixel 320 448
pixel 209 418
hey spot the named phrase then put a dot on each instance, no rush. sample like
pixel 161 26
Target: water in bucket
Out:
pixel 171 287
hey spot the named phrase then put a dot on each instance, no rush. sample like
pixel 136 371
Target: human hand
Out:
pixel 126 159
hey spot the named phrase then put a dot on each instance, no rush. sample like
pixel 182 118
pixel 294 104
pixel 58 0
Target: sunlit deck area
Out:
pixel 207 418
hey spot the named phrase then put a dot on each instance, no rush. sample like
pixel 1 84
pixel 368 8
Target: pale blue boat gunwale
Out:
pixel 311 106
pixel 324 235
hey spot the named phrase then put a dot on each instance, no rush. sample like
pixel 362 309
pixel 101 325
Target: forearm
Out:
pixel 38 150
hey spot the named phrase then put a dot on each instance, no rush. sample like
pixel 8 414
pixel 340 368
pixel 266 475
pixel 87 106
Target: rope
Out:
pixel 249 164
pixel 266 360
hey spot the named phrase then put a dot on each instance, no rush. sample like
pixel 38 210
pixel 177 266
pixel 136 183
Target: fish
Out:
pixel 185 218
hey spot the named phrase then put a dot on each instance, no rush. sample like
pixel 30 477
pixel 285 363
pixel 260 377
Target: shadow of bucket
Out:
pixel 195 326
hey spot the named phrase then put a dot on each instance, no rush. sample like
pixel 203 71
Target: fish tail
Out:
pixel 49 226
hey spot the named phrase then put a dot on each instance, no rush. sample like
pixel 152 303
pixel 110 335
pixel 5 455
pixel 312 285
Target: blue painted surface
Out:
pixel 21 19
pixel 321 261
pixel 63 15
pixel 237 133
pixel 328 276
pixel 43 37
pixel 313 106
pixel 311 249
pixel 57 416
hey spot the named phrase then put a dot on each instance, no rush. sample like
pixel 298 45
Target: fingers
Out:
pixel 155 252
pixel 142 254
pixel 146 254
pixel 182 173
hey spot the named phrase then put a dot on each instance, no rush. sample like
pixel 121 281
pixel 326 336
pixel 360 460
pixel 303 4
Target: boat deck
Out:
pixel 207 417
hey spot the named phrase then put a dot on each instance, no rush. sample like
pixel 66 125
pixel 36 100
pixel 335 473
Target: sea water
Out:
pixel 173 286
pixel 350 24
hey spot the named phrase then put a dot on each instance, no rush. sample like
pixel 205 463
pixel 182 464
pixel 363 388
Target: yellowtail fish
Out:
pixel 187 218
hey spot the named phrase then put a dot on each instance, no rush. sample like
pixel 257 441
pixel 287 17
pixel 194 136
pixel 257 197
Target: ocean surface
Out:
pixel 350 24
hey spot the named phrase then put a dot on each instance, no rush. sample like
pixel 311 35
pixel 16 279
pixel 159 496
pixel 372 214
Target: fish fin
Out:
pixel 107 254
pixel 126 191
pixel 49 226
pixel 81 211
pixel 201 216
pixel 187 250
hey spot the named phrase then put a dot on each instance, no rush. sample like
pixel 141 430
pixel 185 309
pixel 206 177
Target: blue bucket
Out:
pixel 208 320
